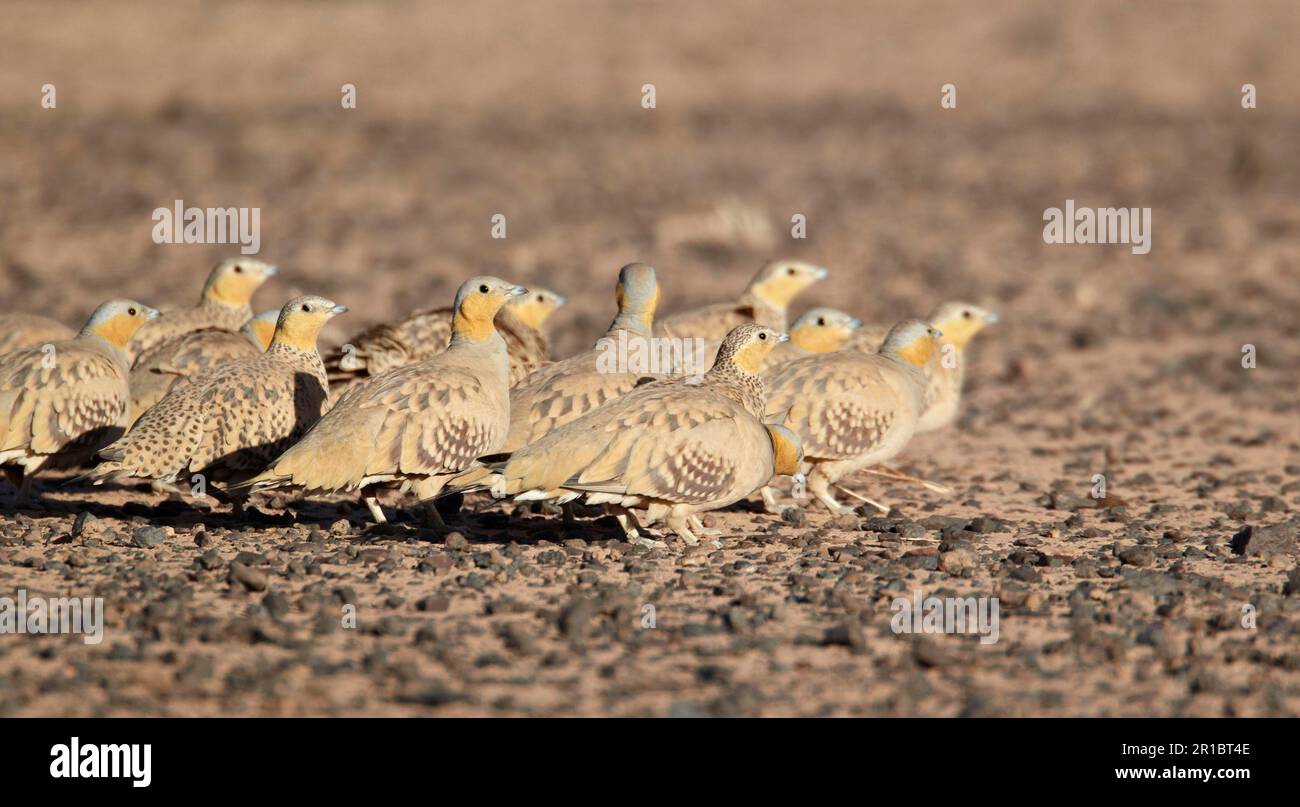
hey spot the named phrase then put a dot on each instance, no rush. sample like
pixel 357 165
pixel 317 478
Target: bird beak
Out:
pixel 271 271
pixel 799 478
pixel 990 317
pixel 153 314
pixel 937 333
pixel 339 309
pixel 854 324
pixel 821 273
pixel 560 300
pixel 516 291
pixel 783 337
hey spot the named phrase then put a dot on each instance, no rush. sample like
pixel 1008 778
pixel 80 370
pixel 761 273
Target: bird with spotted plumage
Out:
pixel 765 301
pixel 223 305
pixel 425 334
pixel 418 425
pixel 157 369
pixel 675 447
pixel 570 388
pixel 227 423
pixel 852 409
pixel 61 402
pixel 959 323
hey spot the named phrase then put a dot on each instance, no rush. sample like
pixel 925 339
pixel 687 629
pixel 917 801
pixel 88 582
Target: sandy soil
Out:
pixel 1104 361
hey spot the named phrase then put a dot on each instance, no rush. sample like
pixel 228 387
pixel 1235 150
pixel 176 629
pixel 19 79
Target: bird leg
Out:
pixel 893 473
pixel 627 520
pixel 770 504
pixel 699 527
pixel 884 509
pixel 681 525
pixel 433 516
pixel 376 512
pixel 820 487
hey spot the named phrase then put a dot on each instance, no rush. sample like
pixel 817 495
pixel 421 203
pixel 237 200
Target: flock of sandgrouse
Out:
pixel 466 398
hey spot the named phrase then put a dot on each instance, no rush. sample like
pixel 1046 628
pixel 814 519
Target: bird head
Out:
pixel 961 321
pixel 116 321
pixel 302 318
pixel 747 346
pixel 536 306
pixel 637 293
pixel 779 282
pixel 477 302
pixel 913 341
pixel 260 330
pixel 234 281
pixel 821 330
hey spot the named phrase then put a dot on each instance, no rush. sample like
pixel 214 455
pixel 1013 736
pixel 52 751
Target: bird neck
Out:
pixel 730 380
pixel 116 350
pixel 640 323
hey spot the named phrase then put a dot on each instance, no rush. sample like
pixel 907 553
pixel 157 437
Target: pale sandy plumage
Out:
pixel 415 425
pixel 157 369
pixel 60 402
pixel 228 423
pixel 764 301
pixel 425 334
pixel 224 304
pixel 959 322
pixel 818 330
pixel 671 447
pixel 567 389
pixel 852 409
pixel 19 331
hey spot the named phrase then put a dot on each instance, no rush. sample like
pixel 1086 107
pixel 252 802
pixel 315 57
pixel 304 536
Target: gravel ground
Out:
pixel 1176 594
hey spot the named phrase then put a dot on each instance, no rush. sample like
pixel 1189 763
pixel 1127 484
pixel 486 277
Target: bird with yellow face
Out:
pixel 60 402
pixel 223 305
pixel 852 409
pixel 230 421
pixel 764 301
pixel 959 322
pixel 426 333
pixel 674 448
pixel 414 426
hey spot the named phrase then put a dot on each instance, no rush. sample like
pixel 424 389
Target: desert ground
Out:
pixel 1103 361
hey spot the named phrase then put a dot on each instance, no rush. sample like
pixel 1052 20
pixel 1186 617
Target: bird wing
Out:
pixel 77 400
pixel 840 405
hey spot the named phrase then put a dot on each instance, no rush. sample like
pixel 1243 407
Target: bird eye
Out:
pixel 130 312
pixel 762 336
pixel 238 269
pixel 306 307
pixel 966 314
pixel 792 271
pixel 821 320
pixel 483 288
